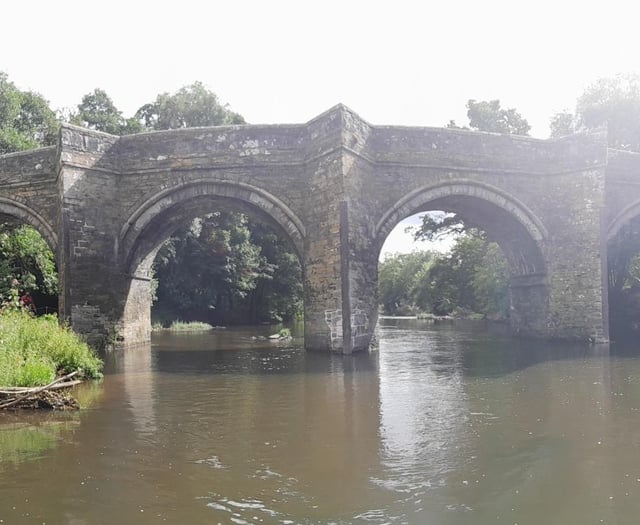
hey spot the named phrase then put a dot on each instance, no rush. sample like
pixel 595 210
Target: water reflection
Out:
pixel 442 425
pixel 23 438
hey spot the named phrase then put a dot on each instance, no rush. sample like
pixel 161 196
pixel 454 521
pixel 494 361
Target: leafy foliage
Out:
pixel 225 268
pixel 562 124
pixel 26 259
pixel 26 120
pixel 34 349
pixel 278 292
pixel 488 115
pixel 614 102
pixel 191 106
pixel 402 279
pixel 471 277
pixel 97 111
pixel 436 225
pixel 208 265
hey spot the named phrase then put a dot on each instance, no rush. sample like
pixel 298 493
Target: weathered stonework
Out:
pixel 335 187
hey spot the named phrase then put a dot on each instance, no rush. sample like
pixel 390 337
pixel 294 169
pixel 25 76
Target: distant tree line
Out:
pixel 471 279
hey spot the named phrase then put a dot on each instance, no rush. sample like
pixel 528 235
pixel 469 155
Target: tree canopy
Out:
pixel 613 103
pixel 224 268
pixel 97 111
pixel 489 115
pixel 471 278
pixel 26 263
pixel 190 106
pixel 26 120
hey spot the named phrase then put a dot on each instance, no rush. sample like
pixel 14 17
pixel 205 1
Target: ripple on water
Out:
pixel 213 462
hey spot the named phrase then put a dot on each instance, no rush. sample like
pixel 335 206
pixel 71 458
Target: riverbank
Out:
pixel 38 354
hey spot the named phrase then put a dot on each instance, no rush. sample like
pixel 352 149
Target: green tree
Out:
pixel 615 103
pixel 612 102
pixel 97 111
pixel 210 265
pixel 491 283
pixel 26 120
pixel 400 281
pixel 471 277
pixel 562 124
pixel 226 268
pixel 26 258
pixel 488 115
pixel 278 292
pixel 191 106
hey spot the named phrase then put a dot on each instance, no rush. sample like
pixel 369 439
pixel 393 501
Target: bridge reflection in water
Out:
pixel 444 424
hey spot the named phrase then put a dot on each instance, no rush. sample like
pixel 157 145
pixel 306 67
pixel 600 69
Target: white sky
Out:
pixel 285 61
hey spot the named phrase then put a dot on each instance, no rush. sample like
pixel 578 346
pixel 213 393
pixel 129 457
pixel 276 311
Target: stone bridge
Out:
pixel 335 187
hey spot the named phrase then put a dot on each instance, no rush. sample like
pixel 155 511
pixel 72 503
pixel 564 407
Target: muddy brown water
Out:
pixel 444 424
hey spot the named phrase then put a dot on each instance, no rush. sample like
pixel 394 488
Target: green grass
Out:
pixel 194 326
pixel 34 350
pixel 22 441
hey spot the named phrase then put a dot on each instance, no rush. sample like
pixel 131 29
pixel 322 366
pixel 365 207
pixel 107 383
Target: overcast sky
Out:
pixel 283 61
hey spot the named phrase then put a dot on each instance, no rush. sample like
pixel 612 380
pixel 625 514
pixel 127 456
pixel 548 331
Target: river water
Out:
pixel 443 424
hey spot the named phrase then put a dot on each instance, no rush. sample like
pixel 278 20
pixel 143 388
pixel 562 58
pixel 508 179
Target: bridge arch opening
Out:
pixel 225 232
pixel 623 274
pixel 503 220
pixel 28 257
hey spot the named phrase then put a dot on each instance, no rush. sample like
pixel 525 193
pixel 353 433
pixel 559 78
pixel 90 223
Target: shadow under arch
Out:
pixel 155 220
pixel 623 294
pixel 623 219
pixel 507 221
pixel 24 214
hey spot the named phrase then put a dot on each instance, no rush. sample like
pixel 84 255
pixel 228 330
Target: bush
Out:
pixel 33 350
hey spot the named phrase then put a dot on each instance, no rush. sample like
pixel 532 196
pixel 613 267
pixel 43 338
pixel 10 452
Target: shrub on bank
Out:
pixel 33 350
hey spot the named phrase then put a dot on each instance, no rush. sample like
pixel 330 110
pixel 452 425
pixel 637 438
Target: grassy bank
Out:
pixel 34 350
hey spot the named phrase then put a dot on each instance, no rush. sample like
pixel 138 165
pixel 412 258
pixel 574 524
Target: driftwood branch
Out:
pixel 33 391
pixel 17 390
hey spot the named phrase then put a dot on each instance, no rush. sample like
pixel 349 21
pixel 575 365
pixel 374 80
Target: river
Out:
pixel 443 424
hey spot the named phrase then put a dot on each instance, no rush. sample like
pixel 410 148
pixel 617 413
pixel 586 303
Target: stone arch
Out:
pixel 26 215
pixel 507 221
pixel 200 194
pixel 153 221
pixel 622 219
pixel 622 246
pixel 490 205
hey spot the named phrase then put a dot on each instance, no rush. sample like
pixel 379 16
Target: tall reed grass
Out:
pixel 33 350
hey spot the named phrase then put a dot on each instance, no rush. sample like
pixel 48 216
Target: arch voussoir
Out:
pixel 173 196
pixel 29 216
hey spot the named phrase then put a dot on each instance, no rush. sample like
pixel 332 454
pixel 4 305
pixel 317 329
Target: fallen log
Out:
pixel 16 390
pixel 25 395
